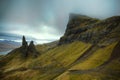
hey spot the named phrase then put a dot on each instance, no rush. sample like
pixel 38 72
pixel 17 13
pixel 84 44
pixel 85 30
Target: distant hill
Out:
pixel 6 45
pixel 89 50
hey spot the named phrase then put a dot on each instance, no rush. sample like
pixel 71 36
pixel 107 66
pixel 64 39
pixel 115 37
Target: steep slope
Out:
pixel 89 50
pixel 95 67
pixel 91 32
pixel 95 64
pixel 47 66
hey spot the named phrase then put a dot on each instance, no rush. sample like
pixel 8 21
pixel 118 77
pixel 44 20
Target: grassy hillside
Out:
pixel 60 63
pixel 54 61
pixel 91 69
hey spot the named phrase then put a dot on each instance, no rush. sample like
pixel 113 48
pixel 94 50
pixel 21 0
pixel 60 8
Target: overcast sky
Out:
pixel 46 20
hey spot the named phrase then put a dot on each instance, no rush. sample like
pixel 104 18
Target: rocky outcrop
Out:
pixel 86 29
pixel 24 47
pixel 28 50
pixel 32 50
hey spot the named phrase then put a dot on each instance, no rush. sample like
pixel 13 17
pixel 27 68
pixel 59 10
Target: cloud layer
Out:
pixel 47 19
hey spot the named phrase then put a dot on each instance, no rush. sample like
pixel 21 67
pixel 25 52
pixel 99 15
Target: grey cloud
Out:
pixel 51 13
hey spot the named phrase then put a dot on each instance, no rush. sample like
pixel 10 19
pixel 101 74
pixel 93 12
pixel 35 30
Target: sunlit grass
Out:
pixel 97 58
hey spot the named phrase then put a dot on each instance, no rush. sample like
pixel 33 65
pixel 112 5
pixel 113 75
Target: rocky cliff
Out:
pixel 86 29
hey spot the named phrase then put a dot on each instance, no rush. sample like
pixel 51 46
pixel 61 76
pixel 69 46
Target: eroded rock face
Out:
pixel 28 50
pixel 24 47
pixel 24 42
pixel 86 29
pixel 32 50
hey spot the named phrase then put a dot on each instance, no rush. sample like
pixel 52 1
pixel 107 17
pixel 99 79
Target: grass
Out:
pixel 52 63
pixel 96 59
pixel 84 77
pixel 55 63
pixel 65 54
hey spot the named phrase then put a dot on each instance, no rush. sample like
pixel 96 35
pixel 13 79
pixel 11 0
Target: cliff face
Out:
pixel 91 30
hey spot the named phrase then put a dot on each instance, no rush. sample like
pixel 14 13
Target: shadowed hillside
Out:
pixel 89 50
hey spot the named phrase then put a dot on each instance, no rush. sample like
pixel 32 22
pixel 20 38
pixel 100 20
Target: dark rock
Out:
pixel 24 42
pixel 28 50
pixel 32 50
pixel 24 47
pixel 90 30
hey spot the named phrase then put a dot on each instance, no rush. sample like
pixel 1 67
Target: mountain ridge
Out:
pixel 88 31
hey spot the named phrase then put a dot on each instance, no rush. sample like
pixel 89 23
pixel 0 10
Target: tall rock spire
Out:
pixel 32 50
pixel 24 41
pixel 24 46
pixel 28 50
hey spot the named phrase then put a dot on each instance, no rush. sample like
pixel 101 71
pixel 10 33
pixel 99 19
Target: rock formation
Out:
pixel 24 47
pixel 28 50
pixel 32 50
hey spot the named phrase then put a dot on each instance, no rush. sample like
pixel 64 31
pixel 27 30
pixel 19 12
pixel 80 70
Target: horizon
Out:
pixel 45 21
